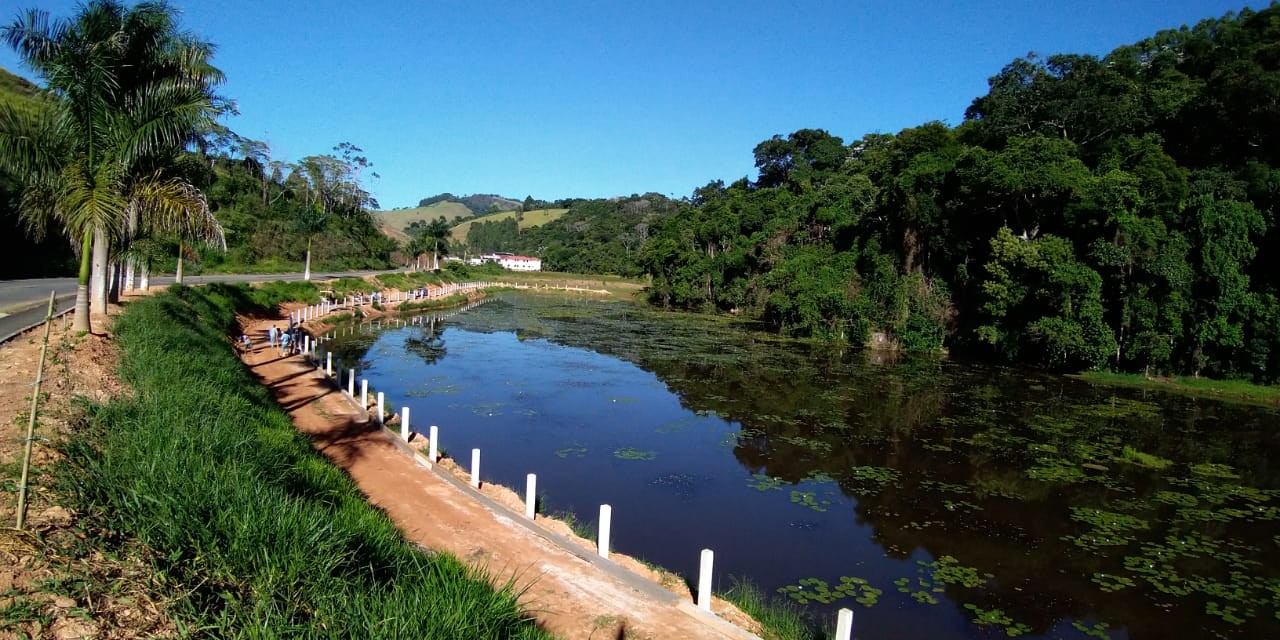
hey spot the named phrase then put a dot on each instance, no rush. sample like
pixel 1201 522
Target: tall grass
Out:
pixel 254 534
pixel 781 619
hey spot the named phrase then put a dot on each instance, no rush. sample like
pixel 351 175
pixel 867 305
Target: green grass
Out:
pixel 781 619
pixel 535 218
pixel 272 294
pixel 1237 390
pixel 412 279
pixel 251 532
pixel 394 222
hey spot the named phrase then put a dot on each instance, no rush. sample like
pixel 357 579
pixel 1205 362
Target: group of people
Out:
pixel 288 340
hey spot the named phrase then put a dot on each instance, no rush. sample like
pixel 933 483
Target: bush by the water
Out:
pixel 254 533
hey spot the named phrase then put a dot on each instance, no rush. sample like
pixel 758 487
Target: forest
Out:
pixel 1089 212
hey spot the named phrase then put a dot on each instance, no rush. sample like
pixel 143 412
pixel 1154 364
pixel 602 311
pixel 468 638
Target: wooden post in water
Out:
pixel 380 414
pixel 404 423
pixel 602 539
pixel 475 468
pixel 704 579
pixel 530 488
pixel 844 625
pixel 433 454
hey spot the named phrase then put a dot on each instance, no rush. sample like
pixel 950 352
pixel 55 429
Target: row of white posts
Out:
pixel 844 618
pixel 325 307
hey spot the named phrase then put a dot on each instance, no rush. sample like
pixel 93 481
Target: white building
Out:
pixel 520 263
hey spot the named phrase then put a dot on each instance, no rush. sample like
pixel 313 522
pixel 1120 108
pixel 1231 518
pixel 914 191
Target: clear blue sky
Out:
pixel 601 98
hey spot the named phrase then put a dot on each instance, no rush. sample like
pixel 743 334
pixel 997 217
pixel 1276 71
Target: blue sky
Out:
pixel 600 98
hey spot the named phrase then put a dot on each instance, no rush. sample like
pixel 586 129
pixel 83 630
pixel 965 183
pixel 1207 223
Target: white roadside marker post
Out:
pixel 844 624
pixel 602 542
pixel 530 489
pixel 704 579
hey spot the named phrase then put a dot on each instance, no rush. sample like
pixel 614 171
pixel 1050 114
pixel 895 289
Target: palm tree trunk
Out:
pixel 114 273
pixel 306 273
pixel 129 265
pixel 98 275
pixel 144 279
pixel 81 320
pixel 177 278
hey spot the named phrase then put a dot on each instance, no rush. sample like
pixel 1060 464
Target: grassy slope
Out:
pixel 1232 390
pixel 254 534
pixel 16 92
pixel 534 218
pixel 393 223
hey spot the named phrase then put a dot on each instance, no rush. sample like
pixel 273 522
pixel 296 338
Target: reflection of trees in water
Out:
pixel 959 440
pixel 428 340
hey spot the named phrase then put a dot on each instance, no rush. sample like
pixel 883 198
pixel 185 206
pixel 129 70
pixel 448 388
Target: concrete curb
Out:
pixel 613 569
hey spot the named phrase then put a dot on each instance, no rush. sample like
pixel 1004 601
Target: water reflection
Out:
pixel 1028 503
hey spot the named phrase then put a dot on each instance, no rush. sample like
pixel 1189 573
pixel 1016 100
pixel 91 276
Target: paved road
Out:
pixel 22 302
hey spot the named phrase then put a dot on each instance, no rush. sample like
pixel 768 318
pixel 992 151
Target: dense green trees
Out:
pixel 1089 212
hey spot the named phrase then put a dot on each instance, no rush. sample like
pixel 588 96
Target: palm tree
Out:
pixel 435 234
pixel 128 90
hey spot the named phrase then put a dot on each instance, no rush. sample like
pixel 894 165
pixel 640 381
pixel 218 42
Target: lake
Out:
pixel 936 499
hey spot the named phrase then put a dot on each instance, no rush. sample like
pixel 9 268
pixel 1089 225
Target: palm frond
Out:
pixel 173 206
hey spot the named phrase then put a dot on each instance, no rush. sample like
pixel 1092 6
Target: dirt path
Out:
pixel 571 591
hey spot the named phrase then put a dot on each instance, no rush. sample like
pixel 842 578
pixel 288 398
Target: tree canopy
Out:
pixel 1115 211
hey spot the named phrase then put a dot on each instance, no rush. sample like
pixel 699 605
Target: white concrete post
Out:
pixel 475 468
pixel 704 579
pixel 404 423
pixel 530 488
pixel 328 365
pixel 844 625
pixel 306 345
pixel 380 414
pixel 364 393
pixel 351 382
pixel 602 539
pixel 433 452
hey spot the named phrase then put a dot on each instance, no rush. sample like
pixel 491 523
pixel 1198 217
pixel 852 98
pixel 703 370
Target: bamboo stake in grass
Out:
pixel 31 422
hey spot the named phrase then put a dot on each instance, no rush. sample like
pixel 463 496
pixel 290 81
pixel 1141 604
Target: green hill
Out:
pixel 17 92
pixel 393 223
pixel 535 218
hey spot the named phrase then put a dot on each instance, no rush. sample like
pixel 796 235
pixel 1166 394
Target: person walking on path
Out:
pixel 271 335
pixel 285 339
pixel 248 344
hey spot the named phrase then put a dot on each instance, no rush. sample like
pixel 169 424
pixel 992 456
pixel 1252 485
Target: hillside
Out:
pixel 535 218
pixel 480 203
pixel 393 223
pixel 17 92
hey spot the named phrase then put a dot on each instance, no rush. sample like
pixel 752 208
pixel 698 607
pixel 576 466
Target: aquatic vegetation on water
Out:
pixel 1129 454
pixel 576 452
pixel 946 570
pixel 1106 528
pixel 869 480
pixel 630 453
pixel 762 482
pixel 815 590
pixel 809 499
pixel 983 617
pixel 1109 582
pixel 1097 630
pixel 1215 470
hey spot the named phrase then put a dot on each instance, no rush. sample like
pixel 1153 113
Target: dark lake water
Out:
pixel 935 499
